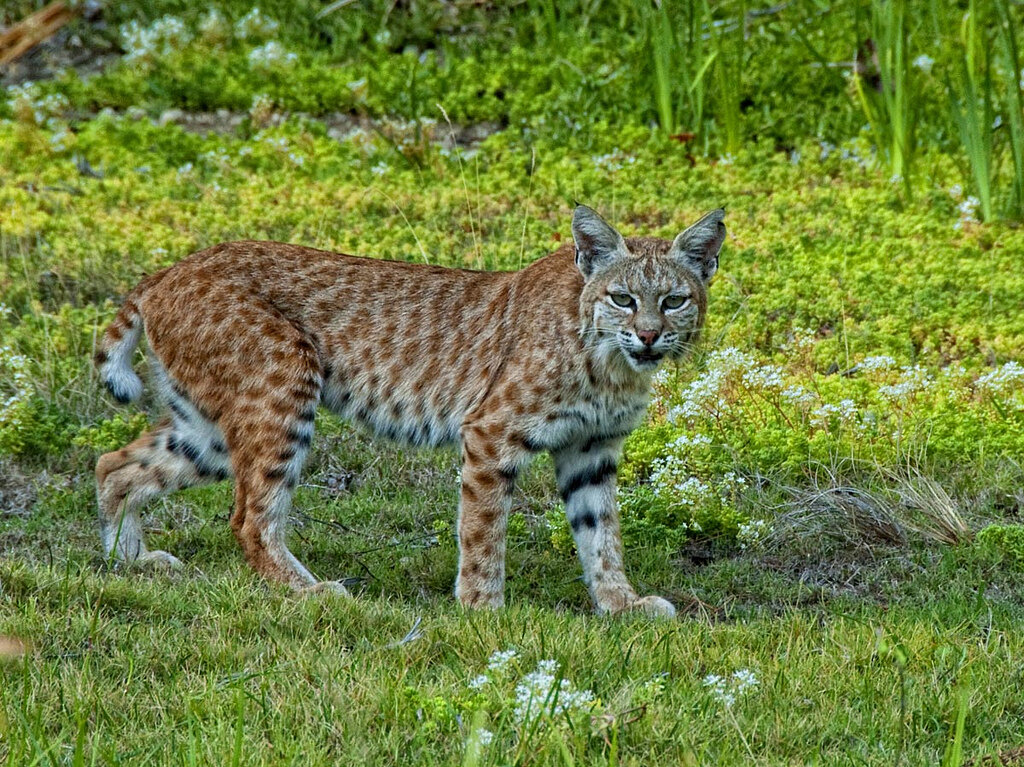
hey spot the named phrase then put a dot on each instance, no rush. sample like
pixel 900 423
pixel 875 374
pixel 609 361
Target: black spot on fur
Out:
pixel 117 394
pixel 287 454
pixel 193 454
pixel 308 415
pixel 592 475
pixel 508 476
pixel 275 474
pixel 100 357
pixel 529 444
pixel 172 444
pixel 586 519
pixel 218 447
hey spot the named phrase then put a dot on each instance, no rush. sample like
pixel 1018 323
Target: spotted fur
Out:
pixel 247 339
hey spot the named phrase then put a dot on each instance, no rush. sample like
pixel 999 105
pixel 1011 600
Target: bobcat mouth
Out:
pixel 647 356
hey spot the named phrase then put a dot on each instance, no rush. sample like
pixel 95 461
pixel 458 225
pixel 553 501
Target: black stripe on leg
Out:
pixel 592 475
pixel 301 437
pixel 178 410
pixel 599 439
pixel 584 519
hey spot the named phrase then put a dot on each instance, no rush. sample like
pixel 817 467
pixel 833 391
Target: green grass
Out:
pixel 826 542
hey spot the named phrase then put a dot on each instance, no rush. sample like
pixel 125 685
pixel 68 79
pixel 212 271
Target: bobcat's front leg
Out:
pixel 490 464
pixel 586 480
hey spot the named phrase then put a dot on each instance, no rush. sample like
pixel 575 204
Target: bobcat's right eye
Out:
pixel 622 299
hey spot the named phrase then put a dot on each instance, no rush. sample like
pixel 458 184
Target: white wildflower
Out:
pixel 484 737
pixel 764 377
pixel 684 440
pixel 799 396
pixel 877 363
pixel 164 36
pixel 751 533
pixel 1002 379
pixel 500 659
pixel 730 359
pixel 912 380
pixel 719 689
pixel 380 168
pixel 271 55
pixel 925 63
pixel 541 695
pixel 548 666
pixel 479 681
pixel 254 25
pixel 213 26
pixel 956 191
pixel 727 689
pixel 744 680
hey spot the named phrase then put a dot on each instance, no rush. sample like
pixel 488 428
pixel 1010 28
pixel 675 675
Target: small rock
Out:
pixel 171 116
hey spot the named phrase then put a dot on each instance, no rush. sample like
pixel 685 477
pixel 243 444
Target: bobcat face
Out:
pixel 644 299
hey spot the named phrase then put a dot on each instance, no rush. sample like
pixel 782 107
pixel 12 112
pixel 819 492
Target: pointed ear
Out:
pixel 697 248
pixel 597 243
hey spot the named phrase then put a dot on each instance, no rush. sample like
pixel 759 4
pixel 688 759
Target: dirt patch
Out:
pixel 17 490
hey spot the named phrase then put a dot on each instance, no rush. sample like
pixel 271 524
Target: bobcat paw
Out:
pixel 327 587
pixel 655 607
pixel 159 560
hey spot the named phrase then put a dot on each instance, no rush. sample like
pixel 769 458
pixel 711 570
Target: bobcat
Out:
pixel 247 338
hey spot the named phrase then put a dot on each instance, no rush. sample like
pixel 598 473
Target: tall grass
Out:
pixel 890 106
pixel 1013 74
pixel 682 62
pixel 971 106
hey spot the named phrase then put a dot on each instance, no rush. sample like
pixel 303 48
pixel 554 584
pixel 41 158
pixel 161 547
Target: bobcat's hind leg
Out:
pixel 491 460
pixel 269 430
pixel 167 458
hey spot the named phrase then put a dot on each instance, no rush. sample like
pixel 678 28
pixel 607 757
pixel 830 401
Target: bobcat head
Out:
pixel 644 298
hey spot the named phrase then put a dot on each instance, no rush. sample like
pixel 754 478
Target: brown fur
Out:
pixel 248 338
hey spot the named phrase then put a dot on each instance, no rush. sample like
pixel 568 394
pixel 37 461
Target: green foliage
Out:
pixel 1006 541
pixel 111 433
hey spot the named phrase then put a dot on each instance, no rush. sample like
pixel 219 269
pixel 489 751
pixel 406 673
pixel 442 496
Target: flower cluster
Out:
pixel 1001 380
pixel 501 659
pixel 164 36
pixel 727 690
pixel 542 694
pixel 271 55
pixel 15 367
pixel 614 160
pixel 31 106
pixel 255 26
pixel 751 533
pixel 912 380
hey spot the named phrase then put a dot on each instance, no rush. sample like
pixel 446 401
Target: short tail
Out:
pixel 114 356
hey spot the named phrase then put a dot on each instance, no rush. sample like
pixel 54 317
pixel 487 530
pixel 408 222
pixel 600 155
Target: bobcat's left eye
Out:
pixel 675 302
pixel 622 299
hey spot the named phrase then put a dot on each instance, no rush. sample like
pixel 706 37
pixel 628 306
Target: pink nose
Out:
pixel 647 336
